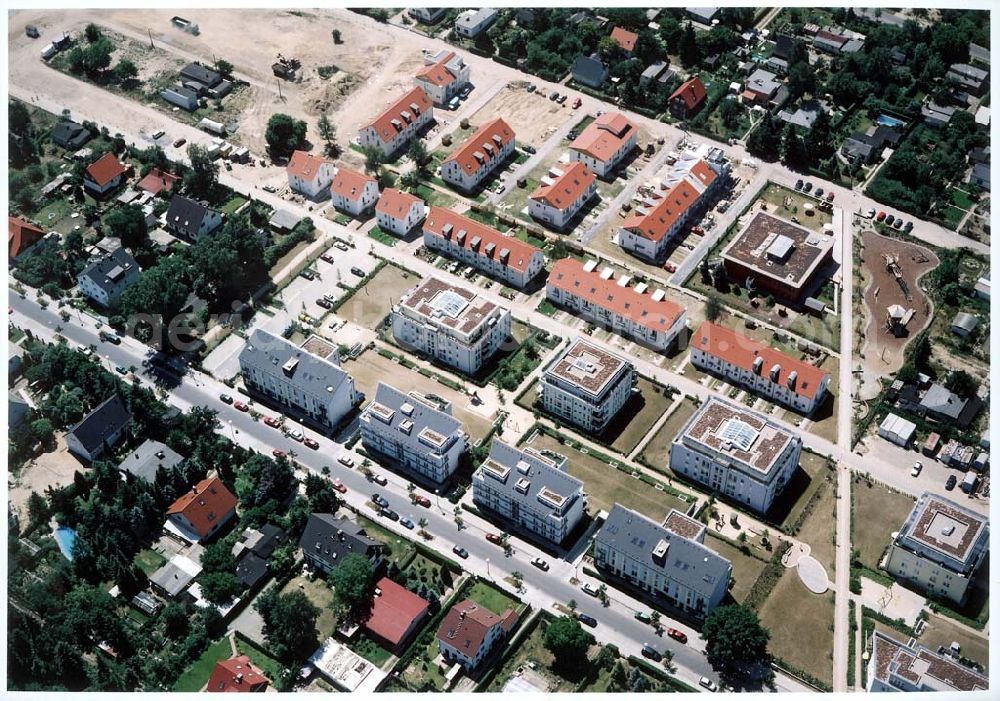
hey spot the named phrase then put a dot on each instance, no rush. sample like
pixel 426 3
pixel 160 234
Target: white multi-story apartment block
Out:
pixel 443 76
pixel 669 561
pixel 736 452
pixel 531 489
pixel 417 433
pixel 306 386
pixel 397 124
pixel 598 297
pixel 562 194
pixel 450 324
pixel 586 386
pixel 480 155
pixel 506 258
pixel 353 192
pixel 309 175
pixel 398 212
pixel 604 143
pixel 939 548
pixel 104 280
pixel 896 666
pixel 765 371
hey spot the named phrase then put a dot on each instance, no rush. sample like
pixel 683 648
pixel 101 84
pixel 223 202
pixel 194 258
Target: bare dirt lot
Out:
pixel 883 352
pixel 53 469
pixel 533 118
pixel 371 303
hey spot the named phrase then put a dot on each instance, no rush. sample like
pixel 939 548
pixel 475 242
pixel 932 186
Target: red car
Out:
pixel 240 406
pixel 671 268
pixel 697 231
pixel 829 197
pixel 326 257
pixel 278 453
pixel 880 216
pixel 339 486
pixel 310 443
pixel 422 500
pixel 272 422
pixel 493 538
pixel 677 635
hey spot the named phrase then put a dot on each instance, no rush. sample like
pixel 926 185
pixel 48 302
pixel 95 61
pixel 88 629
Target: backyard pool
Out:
pixel 66 536
pixel 891 122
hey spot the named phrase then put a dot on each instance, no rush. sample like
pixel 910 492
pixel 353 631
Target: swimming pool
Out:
pixel 66 536
pixel 887 121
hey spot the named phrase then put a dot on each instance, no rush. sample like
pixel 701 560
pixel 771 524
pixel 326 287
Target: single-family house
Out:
pixel 827 41
pixel 426 15
pixel 702 15
pixel 472 162
pixel 353 192
pixel 652 72
pixel 395 615
pixel 398 212
pixel 104 174
pixel 204 81
pixel 99 430
pixel 157 181
pixel 469 632
pixel 236 675
pixel 199 514
pixel 309 175
pixel 145 461
pixel 17 408
pixel 936 115
pixel 70 135
pixel 562 194
pixel 190 219
pixel 964 324
pixel 980 175
pixel 472 23
pixel 327 540
pixel 107 277
pixel 625 39
pixel 443 76
pixel 760 88
pixel 686 100
pixel 970 78
pixel 22 236
pixel 589 71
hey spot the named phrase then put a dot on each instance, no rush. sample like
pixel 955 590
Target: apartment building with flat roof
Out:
pixel 897 666
pixel 587 386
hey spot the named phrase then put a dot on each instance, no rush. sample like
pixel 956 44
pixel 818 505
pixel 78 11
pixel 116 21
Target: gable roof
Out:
pixel 576 178
pixel 157 180
pixel 70 134
pixel 741 351
pixel 393 611
pixel 655 223
pixel 21 234
pixel 603 137
pixel 185 215
pixel 692 92
pixel 396 203
pixel 624 38
pixel 466 625
pixel 108 271
pixel 330 539
pixel 570 276
pixel 349 184
pixel 304 165
pixel 483 146
pixel 105 169
pixel 200 74
pixel 208 503
pixel 438 73
pixel 106 419
pixel 403 111
pixel 236 674
pixel 447 224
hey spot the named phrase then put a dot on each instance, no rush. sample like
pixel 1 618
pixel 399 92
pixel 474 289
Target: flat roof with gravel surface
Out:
pixel 586 366
pixel 778 249
pixel 443 304
pixel 684 526
pixel 944 526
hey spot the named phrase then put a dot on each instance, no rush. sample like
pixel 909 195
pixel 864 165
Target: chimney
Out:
pixel 461 615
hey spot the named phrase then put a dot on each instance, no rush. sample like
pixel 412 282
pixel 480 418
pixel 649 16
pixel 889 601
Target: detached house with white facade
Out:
pixel 104 280
pixel 392 130
pixel 443 76
pixel 309 175
pixel 399 212
pixel 562 194
pixel 190 219
pixel 604 143
pixel 353 192
pixel 489 147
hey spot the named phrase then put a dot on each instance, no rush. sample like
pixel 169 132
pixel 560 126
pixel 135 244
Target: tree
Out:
pixel 127 223
pixel 219 587
pixel 763 141
pixel 202 178
pixel 418 153
pixel 792 150
pixel 961 383
pixel 224 68
pixel 38 510
pixel 618 681
pixel 566 639
pixel 337 37
pixel 735 639
pixel 801 80
pixel 175 621
pixel 92 33
pixel 730 113
pixel 125 72
pixel 688 48
pixel 42 431
pixel 352 581
pixel 284 134
pixel 96 57
pixel 374 158
pixel 817 143
pixel 328 132
pixel 713 308
pixel 289 624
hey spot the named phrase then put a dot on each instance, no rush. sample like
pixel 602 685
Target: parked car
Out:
pixel 358 271
pixel 225 399
pixel 697 231
pixel 454 103
pixel 180 142
pixel 643 616
pixel 889 219
pixel 577 102
pixel 325 304
pixel 465 91
pixel 113 339
pixel 950 484
pixel 296 435
pixel 326 258
pixel 562 99
pixel 870 213
pixel 554 96
pixel 651 652
pixel 807 187
pixel 528 148
pixel 272 422
pixel 798 184
pixel 589 588
pixel 389 514
pixel 406 523
pixel 898 224
pixel 880 216
pixel 346 460
pixel 677 635
pixel 493 538
pixel 422 500
pixel 340 245
pixel 310 443
pixel 121 369
pixel 909 227
pixel 380 500
pixel 339 486
pixel 540 564
pixel 460 551
pixel 380 480
pixel 670 267
pixel 278 453
pixel 829 196
pixel 240 406
pixel 917 467
pixel 531 87
pixel 708 684
pixel 587 620
pixel 308 274
pixel 819 192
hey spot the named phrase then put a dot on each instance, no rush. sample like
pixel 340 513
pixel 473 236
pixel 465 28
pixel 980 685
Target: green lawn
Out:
pixel 271 668
pixel 370 650
pixel 960 199
pixel 427 571
pixel 746 568
pixel 149 561
pixel 640 412
pixel 232 204
pixel 790 504
pixel 382 237
pixel 532 652
pixel 57 216
pixel 321 595
pixel 546 307
pixel 878 512
pixel 775 196
pixel 491 598
pixel 434 197
pixel 397 548
pixel 343 219
pixel 657 451
pixel 14 334
pixel 196 676
pixel 422 670
pixel 951 216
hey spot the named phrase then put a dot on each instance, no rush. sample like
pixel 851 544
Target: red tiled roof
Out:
pixel 703 173
pixel 692 92
pixel 383 122
pixel 205 505
pixel 568 275
pixel 105 169
pixel 157 180
pixel 488 139
pixel 520 251
pixel 625 38
pixel 437 73
pixel 831 37
pixel 604 136
pixel 565 189
pixel 396 203
pixel 349 183
pixel 655 223
pixel 236 675
pixel 738 350
pixel 394 611
pixel 466 624
pixel 304 165
pixel 20 235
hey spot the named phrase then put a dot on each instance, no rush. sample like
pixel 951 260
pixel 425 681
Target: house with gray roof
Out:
pixel 653 71
pixel 185 98
pixel 416 432
pixel 173 578
pixel 472 23
pixel 941 404
pixel 589 70
pixel 979 54
pixel 146 460
pixel 703 15
pixel 857 150
pixel 804 115
pixel 107 277
pixel 964 324
pixel 327 540
pixel 99 430
pixel 204 81
pixel 309 388
pixel 936 115
pixel 531 489
pixel 18 407
pixel 668 560
pixel 70 135
pixel 980 175
pixel 191 219
pixel 970 78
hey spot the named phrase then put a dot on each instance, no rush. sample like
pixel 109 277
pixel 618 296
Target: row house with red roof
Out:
pixel 604 143
pixel 765 371
pixel 479 156
pixel 562 194
pixel 629 311
pixel 353 192
pixel 309 175
pixel 443 76
pixel 678 199
pixel 393 128
pixel 399 212
pixel 104 175
pixel 200 513
pixel 471 242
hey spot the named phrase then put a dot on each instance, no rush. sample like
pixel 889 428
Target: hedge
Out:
pixel 768 579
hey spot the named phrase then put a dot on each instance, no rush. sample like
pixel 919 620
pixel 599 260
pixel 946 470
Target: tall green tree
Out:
pixel 328 132
pixel 566 639
pixel 202 177
pixel 352 581
pixel 125 72
pixel 289 624
pixel 127 223
pixel 736 641
pixel 374 158
pixel 284 134
pixel 688 48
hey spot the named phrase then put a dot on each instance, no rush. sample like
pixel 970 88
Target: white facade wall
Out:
pixel 318 187
pixel 525 511
pixel 357 206
pixel 926 575
pixel 471 662
pixel 401 227
pixel 107 297
pixel 94 187
pixel 465 355
pixel 603 167
pixel 490 266
pixel 576 406
pixel 559 218
pixel 368 137
pixel 453 173
pixel 325 408
pixel 435 465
